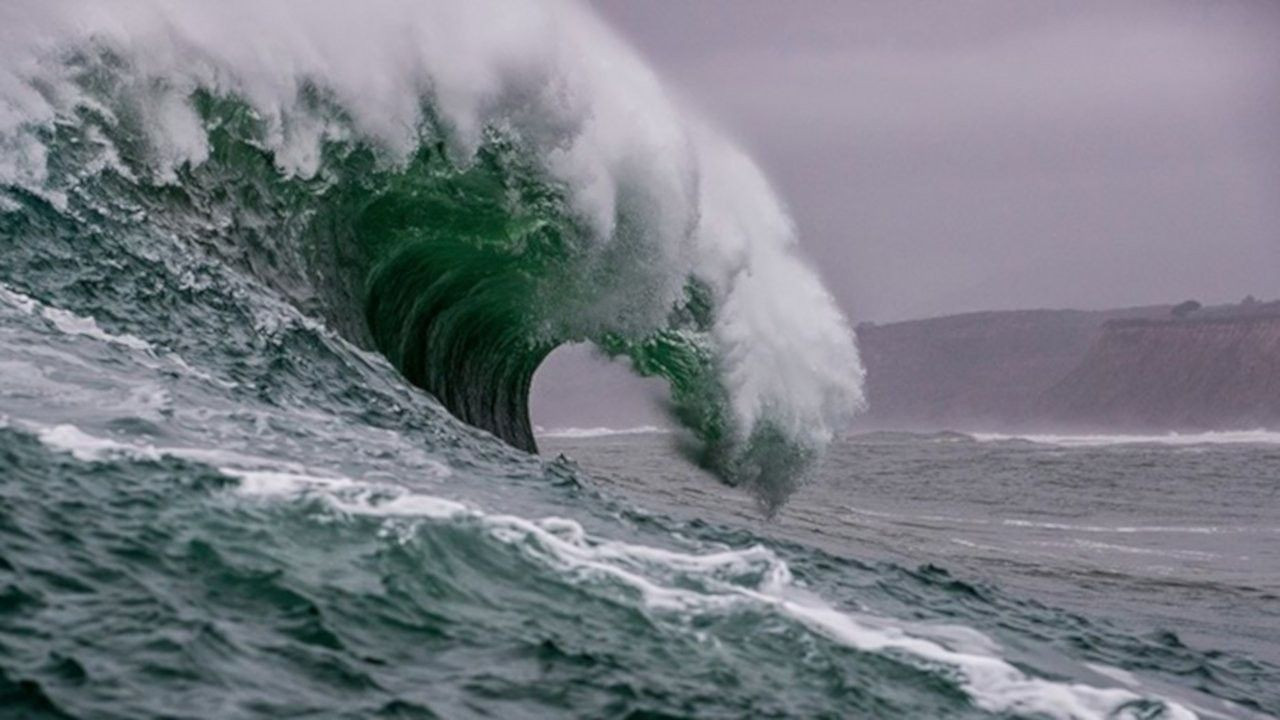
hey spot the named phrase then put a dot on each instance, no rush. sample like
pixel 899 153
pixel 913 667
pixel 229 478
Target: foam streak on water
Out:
pixel 1240 437
pixel 600 431
pixel 676 587
pixel 660 579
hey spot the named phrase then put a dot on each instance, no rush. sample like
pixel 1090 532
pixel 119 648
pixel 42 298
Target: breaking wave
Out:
pixel 460 186
pixel 230 231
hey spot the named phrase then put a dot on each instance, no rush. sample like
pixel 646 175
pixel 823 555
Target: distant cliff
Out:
pixel 1175 374
pixel 1139 368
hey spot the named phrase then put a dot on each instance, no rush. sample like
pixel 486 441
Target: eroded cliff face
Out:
pixel 1193 374
pixel 978 370
pixel 1133 369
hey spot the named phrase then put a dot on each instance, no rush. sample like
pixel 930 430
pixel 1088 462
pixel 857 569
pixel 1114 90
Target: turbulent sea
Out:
pixel 1139 562
pixel 275 278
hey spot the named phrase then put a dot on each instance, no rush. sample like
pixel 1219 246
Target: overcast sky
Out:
pixel 948 156
pixel 942 156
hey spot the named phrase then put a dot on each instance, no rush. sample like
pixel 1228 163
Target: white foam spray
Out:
pixel 667 581
pixel 547 72
pixel 1220 437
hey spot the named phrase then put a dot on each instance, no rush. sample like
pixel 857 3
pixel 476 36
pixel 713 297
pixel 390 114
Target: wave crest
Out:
pixel 464 186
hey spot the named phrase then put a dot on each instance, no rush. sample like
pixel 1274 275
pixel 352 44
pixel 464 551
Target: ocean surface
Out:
pixel 1173 540
pixel 234 536
pixel 265 273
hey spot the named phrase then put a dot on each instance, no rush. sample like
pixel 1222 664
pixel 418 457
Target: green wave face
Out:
pixel 464 276
pixel 454 260
pixel 472 276
pixel 464 269
pixel 472 279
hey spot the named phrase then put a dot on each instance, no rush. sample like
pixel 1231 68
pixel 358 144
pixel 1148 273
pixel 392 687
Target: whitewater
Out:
pixel 497 180
pixel 276 278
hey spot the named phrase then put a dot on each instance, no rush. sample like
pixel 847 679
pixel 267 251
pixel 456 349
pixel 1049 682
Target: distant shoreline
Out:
pixel 1135 370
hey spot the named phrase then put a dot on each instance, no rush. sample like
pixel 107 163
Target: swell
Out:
pixel 464 206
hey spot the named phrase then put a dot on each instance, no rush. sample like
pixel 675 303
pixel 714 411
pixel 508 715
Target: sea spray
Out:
pixel 462 185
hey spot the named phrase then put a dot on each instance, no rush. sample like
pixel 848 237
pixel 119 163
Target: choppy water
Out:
pixel 1158 557
pixel 223 535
